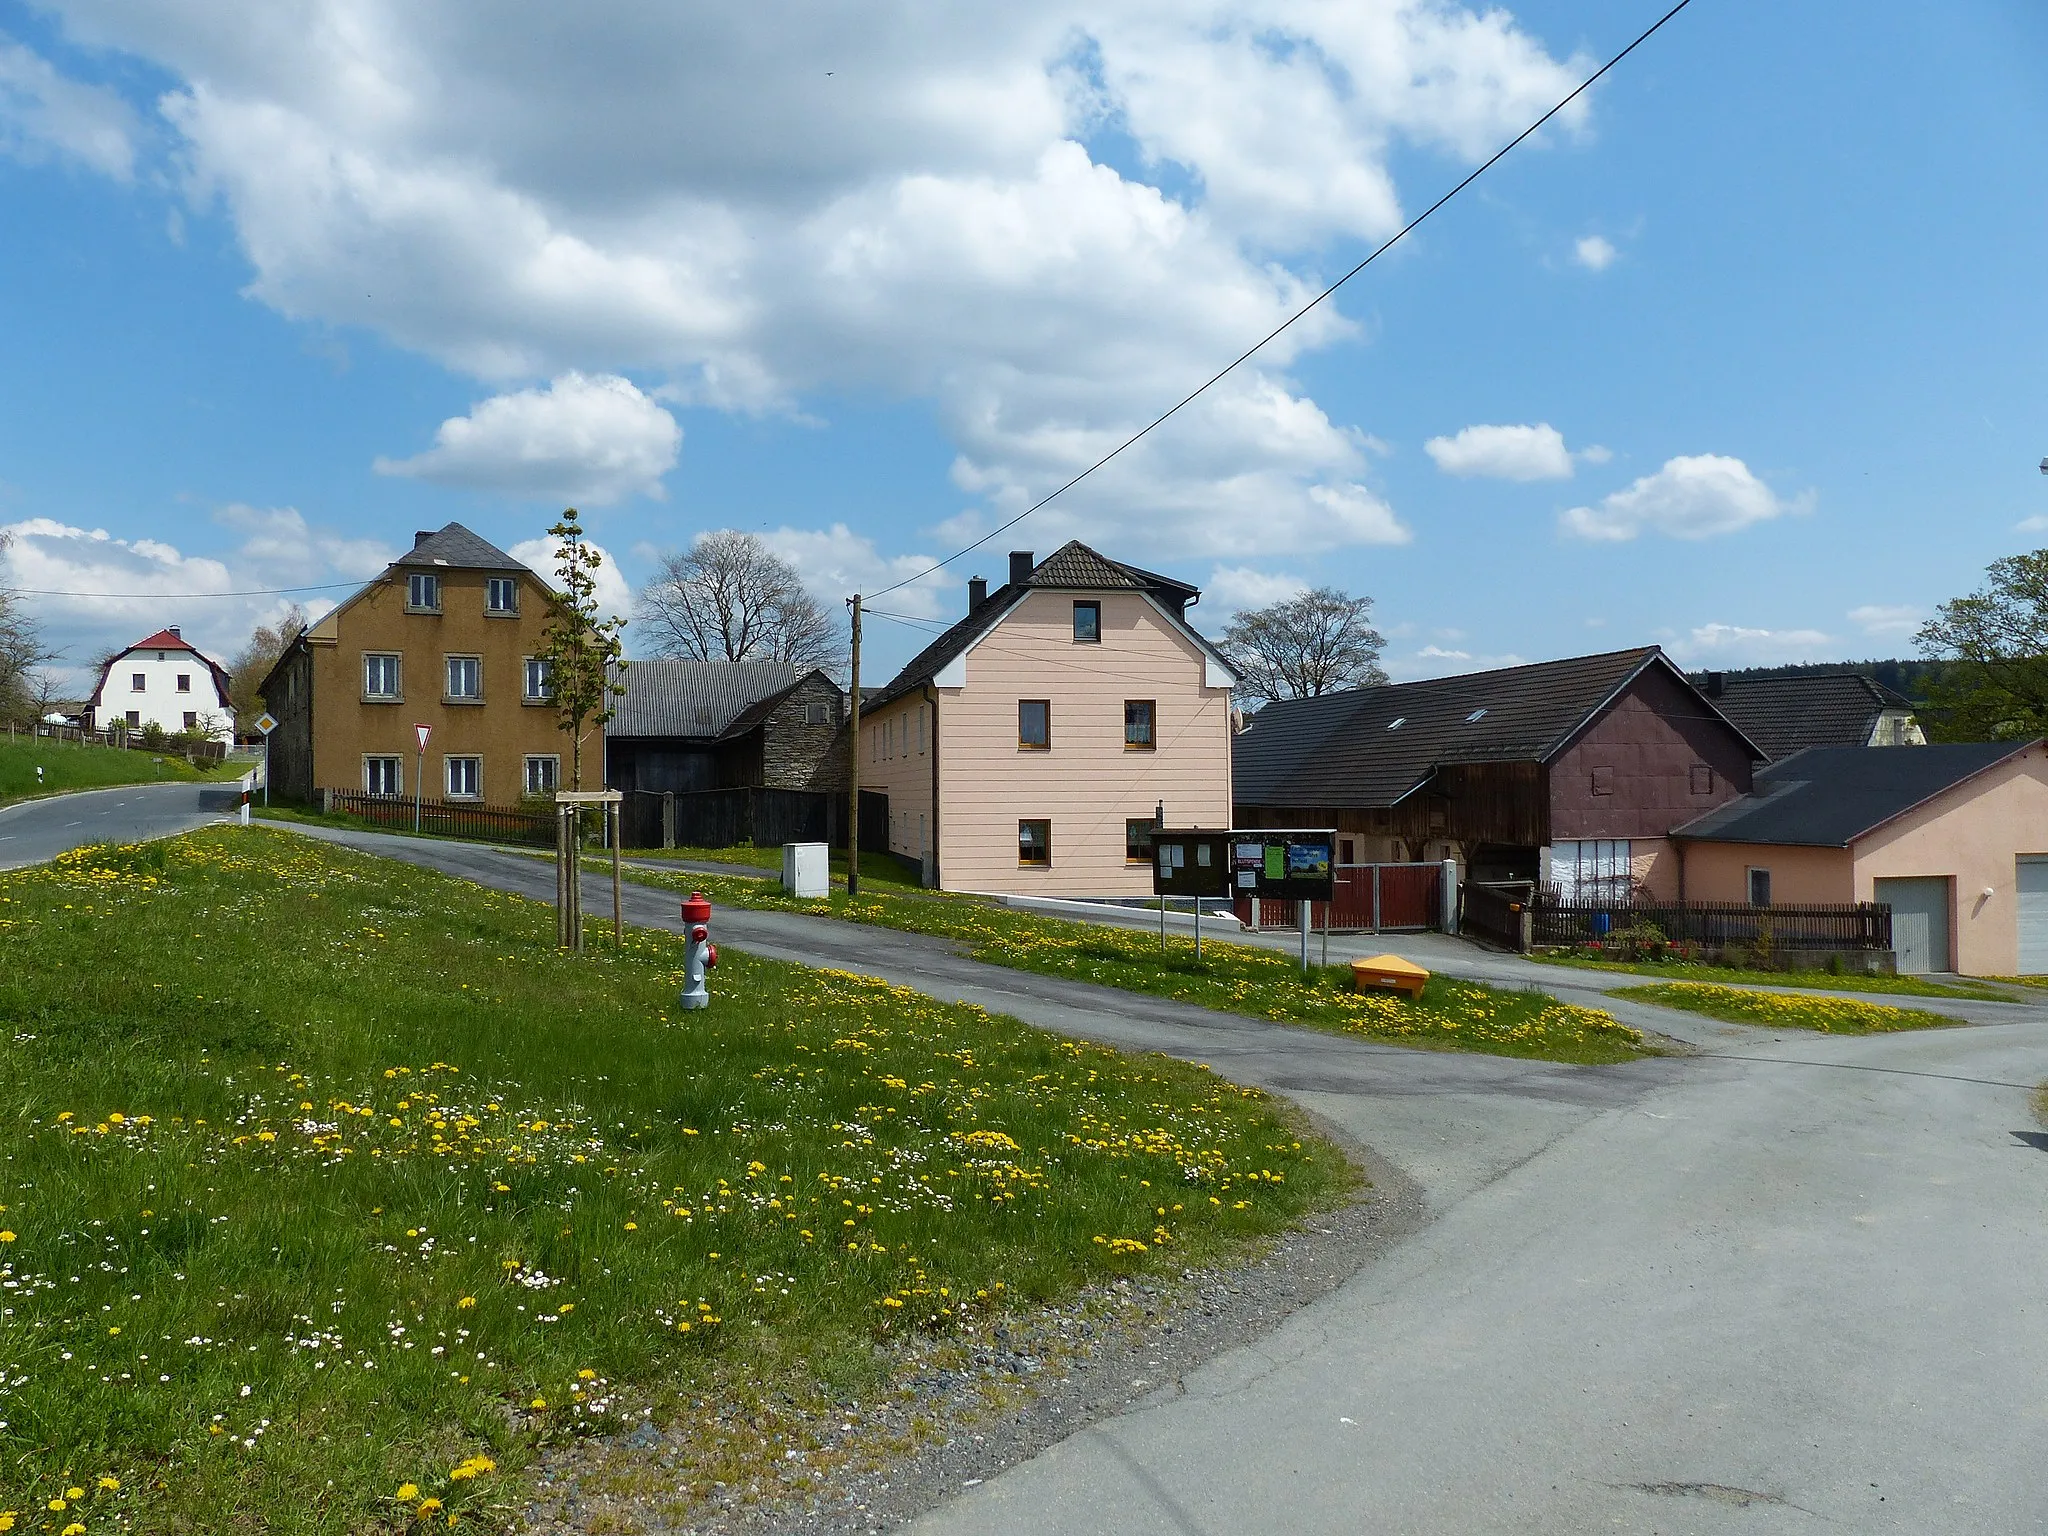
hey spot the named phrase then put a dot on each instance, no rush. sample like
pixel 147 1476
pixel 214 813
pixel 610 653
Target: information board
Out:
pixel 1289 866
pixel 1191 863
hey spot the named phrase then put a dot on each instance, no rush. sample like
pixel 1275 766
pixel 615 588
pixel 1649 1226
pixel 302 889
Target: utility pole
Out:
pixel 853 773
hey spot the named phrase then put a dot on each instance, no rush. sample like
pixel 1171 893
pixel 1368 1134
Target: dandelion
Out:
pixel 428 1506
pixel 111 1484
pixel 407 1492
pixel 465 1304
pixel 6 1237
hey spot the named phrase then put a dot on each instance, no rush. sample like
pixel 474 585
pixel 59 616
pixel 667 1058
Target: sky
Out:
pixel 1736 357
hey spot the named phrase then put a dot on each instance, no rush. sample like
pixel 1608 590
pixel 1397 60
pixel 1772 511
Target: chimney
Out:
pixel 977 593
pixel 1713 689
pixel 419 537
pixel 181 635
pixel 1020 566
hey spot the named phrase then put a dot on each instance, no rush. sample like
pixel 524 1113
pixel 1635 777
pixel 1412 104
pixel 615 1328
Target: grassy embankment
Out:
pixel 1233 978
pixel 68 766
pixel 1827 981
pixel 331 1194
pixel 1776 1010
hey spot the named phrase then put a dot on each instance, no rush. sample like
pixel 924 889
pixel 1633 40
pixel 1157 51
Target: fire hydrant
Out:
pixel 699 953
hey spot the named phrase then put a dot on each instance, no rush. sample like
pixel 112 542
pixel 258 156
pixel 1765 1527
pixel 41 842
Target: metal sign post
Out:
pixel 1193 863
pixel 265 724
pixel 419 771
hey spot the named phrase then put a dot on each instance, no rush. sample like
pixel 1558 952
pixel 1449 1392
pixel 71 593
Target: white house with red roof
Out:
pixel 167 681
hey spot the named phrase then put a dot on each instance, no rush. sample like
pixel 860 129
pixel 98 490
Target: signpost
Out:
pixel 265 724
pixel 1290 865
pixel 419 771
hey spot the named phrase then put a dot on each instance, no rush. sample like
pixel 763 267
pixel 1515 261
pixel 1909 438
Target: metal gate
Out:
pixel 1370 898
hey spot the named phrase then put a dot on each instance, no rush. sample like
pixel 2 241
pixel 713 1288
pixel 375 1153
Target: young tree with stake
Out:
pixel 582 653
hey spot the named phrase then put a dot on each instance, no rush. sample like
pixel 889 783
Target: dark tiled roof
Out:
pixel 1784 715
pixel 1345 749
pixel 699 699
pixel 457 547
pixel 1073 567
pixel 1829 796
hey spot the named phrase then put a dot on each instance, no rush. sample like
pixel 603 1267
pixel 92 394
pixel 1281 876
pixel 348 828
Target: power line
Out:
pixel 1249 352
pixel 180 597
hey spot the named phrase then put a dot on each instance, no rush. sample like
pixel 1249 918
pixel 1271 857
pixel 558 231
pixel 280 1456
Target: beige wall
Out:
pixel 1087 784
pixel 502 730
pixel 1973 834
pixel 1653 865
pixel 1800 877
pixel 896 745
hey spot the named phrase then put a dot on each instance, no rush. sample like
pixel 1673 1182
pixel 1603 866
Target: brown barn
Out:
pixel 1569 772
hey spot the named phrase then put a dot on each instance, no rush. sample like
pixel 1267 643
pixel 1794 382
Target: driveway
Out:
pixel 1789 1284
pixel 38 830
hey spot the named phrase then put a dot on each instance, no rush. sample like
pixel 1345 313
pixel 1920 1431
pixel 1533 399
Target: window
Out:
pixel 817 714
pixel 137 682
pixel 1603 781
pixel 380 675
pixel 465 777
pixel 1396 723
pixel 501 595
pixel 1034 724
pixel 1138 840
pixel 540 680
pixel 466 678
pixel 184 682
pixel 384 775
pixel 1759 887
pixel 1034 843
pixel 1596 869
pixel 191 720
pixel 1702 779
pixel 1088 623
pixel 543 775
pixel 1475 717
pixel 422 593
pixel 134 718
pixel 1137 725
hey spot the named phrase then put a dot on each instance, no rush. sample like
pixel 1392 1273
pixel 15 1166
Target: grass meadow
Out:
pixel 67 765
pixel 1777 1010
pixel 332 1196
pixel 1826 981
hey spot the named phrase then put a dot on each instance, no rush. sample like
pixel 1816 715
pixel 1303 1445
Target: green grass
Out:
pixel 876 869
pixel 1683 970
pixel 1233 978
pixel 68 766
pixel 1776 1010
pixel 322 1176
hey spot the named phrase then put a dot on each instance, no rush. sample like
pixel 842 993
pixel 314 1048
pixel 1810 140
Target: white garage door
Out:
pixel 1919 921
pixel 2033 890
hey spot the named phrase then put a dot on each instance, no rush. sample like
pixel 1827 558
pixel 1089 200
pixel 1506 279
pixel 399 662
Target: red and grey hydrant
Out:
pixel 699 953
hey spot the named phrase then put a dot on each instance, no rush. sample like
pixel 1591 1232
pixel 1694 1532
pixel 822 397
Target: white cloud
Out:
pixel 614 593
pixel 1594 253
pixel 1595 454
pixel 836 562
pixel 155 584
pixel 758 208
pixel 1446 661
pixel 1692 497
pixel 44 113
pixel 589 440
pixel 1887 621
pixel 1504 453
pixel 1741 645
pixel 1234 588
pixel 2038 523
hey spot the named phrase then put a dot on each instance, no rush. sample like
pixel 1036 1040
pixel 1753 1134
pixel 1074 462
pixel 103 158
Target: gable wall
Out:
pixel 1647 743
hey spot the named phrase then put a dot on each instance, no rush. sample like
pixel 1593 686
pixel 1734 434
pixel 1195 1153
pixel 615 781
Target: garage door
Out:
pixel 1919 921
pixel 2033 889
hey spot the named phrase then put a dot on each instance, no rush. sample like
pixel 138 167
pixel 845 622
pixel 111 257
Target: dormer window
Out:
pixel 422 593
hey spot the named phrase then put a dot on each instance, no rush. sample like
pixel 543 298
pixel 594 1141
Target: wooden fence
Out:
pixel 119 736
pixel 1369 898
pixel 448 818
pixel 757 818
pixel 1519 916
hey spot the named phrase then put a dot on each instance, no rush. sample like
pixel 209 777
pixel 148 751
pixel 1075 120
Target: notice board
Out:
pixel 1289 866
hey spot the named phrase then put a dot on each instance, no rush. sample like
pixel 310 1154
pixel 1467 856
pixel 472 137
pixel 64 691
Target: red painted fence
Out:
pixel 1370 898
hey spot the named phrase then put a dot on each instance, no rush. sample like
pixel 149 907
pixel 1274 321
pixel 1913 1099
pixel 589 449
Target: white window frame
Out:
pixel 492 585
pixel 1592 869
pixel 397 762
pixel 448 692
pixel 448 762
pixel 533 667
pixel 554 762
pixel 397 690
pixel 418 583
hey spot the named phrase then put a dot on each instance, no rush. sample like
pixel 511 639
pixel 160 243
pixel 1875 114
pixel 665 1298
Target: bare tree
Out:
pixel 259 653
pixel 22 650
pixel 729 597
pixel 1318 642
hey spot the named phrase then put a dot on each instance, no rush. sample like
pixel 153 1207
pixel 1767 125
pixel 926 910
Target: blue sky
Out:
pixel 1774 298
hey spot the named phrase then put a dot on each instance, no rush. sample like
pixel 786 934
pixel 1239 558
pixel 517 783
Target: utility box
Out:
pixel 807 869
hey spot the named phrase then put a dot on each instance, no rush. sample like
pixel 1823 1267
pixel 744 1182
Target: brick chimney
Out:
pixel 419 537
pixel 1020 566
pixel 1715 682
pixel 977 593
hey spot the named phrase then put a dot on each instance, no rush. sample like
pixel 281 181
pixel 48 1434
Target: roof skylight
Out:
pixel 1476 715
pixel 1395 725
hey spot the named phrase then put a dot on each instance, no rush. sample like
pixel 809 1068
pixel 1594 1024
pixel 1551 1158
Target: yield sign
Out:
pixel 423 732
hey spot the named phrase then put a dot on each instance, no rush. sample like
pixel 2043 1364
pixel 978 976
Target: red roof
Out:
pixel 163 640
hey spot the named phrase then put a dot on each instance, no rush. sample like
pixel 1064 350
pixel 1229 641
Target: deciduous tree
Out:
pixel 1315 643
pixel 252 663
pixel 22 651
pixel 582 652
pixel 729 597
pixel 1995 642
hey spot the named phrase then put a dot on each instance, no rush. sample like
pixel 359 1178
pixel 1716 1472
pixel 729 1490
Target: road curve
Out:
pixel 35 831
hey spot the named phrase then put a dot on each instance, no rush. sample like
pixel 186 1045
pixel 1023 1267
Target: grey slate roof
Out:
pixel 699 699
pixel 1784 715
pixel 1347 749
pixel 1072 567
pixel 1827 797
pixel 457 547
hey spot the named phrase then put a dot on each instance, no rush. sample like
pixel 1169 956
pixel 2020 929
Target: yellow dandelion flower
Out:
pixel 6 1237
pixel 538 1402
pixel 466 1303
pixel 407 1492
pixel 428 1506
pixel 111 1484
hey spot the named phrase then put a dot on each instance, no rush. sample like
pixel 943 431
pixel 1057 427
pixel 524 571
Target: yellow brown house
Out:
pixel 447 637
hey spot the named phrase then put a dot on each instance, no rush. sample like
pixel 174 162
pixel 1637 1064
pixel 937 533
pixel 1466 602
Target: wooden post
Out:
pixel 853 772
pixel 618 900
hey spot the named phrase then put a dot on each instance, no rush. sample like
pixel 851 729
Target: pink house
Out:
pixel 1954 838
pixel 1029 749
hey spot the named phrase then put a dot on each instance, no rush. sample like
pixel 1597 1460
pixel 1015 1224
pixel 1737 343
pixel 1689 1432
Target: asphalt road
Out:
pixel 1787 1284
pixel 36 830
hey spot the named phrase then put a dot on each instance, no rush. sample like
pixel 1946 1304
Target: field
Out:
pixel 331 1196
pixel 1826 981
pixel 68 766
pixel 1828 1015
pixel 1234 978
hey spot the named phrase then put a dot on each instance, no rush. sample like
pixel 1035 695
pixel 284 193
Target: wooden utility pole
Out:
pixel 853 771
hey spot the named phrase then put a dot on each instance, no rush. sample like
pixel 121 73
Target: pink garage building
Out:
pixel 1953 837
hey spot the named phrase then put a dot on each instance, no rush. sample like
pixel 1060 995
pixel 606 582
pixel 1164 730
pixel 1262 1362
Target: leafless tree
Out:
pixel 259 653
pixel 1318 642
pixel 729 597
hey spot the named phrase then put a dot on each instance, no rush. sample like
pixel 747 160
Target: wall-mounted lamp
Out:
pixel 1990 890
